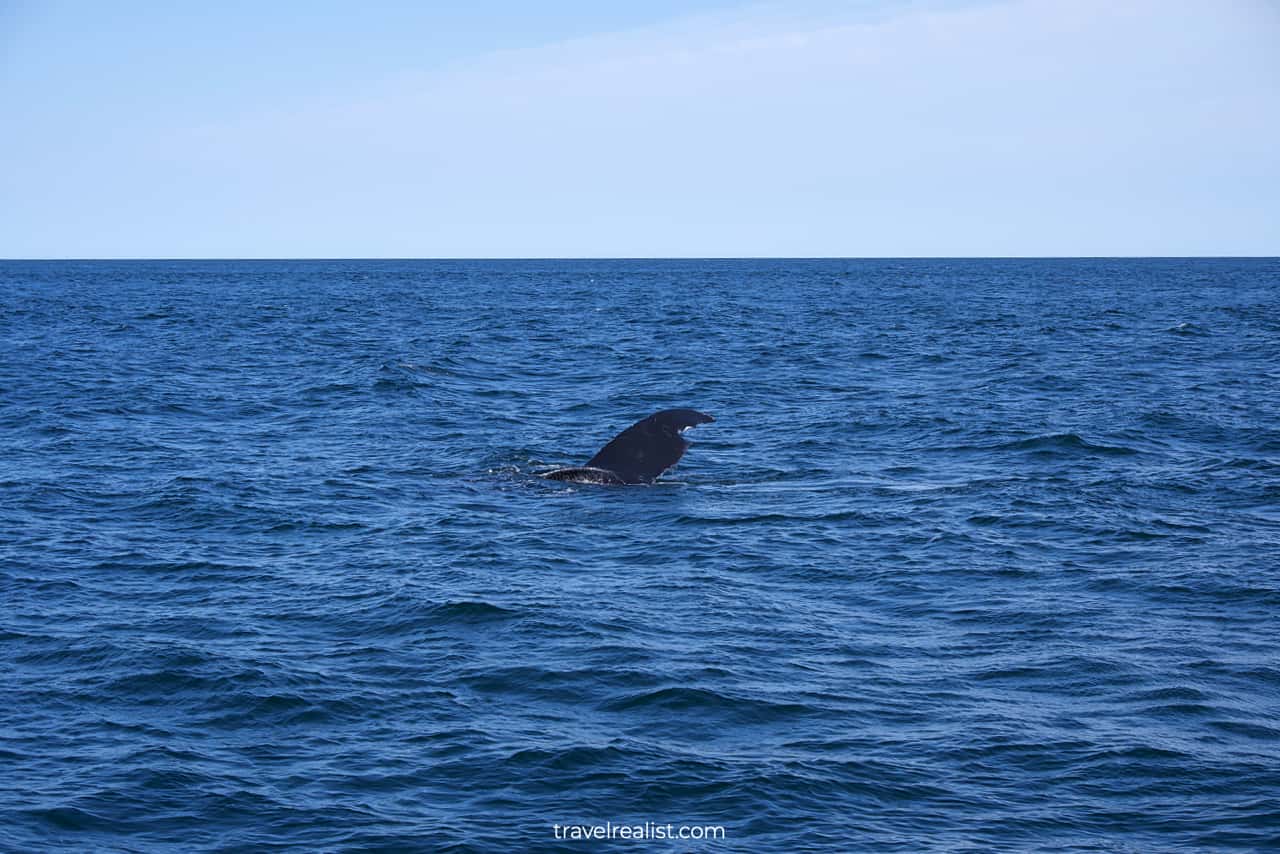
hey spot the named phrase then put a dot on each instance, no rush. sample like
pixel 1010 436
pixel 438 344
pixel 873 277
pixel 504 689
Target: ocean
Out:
pixel 978 555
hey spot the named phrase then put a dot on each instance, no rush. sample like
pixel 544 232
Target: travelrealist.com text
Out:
pixel 648 830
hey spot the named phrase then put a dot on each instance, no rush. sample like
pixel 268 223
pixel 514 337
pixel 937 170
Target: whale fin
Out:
pixel 650 446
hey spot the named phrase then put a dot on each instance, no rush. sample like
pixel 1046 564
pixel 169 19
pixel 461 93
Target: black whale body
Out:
pixel 640 453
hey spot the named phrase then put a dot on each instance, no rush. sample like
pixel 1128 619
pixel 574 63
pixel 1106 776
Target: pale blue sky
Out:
pixel 710 128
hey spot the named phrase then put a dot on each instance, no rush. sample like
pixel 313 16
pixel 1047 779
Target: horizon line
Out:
pixel 654 258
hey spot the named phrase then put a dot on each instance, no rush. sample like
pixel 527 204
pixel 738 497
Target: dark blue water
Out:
pixel 977 555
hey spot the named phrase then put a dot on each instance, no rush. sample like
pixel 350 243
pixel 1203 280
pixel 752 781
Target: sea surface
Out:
pixel 978 555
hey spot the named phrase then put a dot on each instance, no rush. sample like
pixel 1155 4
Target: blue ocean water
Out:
pixel 978 555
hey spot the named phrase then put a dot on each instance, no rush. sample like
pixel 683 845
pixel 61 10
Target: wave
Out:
pixel 707 702
pixel 1066 444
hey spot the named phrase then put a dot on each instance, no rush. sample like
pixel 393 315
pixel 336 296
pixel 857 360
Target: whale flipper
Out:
pixel 641 452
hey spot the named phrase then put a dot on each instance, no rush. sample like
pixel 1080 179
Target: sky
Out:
pixel 709 128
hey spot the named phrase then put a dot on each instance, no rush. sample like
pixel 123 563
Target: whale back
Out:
pixel 584 474
pixel 650 446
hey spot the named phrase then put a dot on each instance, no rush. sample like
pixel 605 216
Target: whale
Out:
pixel 638 454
